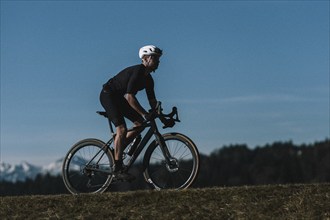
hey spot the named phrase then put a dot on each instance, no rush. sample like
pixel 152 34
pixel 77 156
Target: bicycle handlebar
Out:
pixel 167 119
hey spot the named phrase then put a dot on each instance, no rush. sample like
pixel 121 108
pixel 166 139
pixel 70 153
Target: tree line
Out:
pixel 234 165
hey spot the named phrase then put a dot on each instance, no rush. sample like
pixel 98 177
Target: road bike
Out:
pixel 171 160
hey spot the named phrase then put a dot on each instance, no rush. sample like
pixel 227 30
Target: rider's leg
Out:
pixel 136 118
pixel 120 144
pixel 132 134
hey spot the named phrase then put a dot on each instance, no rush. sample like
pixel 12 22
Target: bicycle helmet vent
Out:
pixel 149 50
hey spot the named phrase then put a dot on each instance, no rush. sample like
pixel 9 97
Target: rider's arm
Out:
pixel 153 103
pixel 132 90
pixel 135 104
pixel 151 92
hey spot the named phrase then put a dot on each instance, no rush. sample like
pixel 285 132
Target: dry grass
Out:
pixel 253 202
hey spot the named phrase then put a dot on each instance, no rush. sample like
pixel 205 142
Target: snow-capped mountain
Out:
pixel 54 168
pixel 25 170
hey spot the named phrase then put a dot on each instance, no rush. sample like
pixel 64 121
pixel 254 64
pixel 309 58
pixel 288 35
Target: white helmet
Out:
pixel 149 50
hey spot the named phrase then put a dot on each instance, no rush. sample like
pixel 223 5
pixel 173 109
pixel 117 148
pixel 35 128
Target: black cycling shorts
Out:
pixel 117 107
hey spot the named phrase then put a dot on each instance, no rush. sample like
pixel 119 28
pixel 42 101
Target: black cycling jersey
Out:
pixel 128 81
pixel 131 80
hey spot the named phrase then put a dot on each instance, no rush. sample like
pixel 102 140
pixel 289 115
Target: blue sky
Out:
pixel 249 72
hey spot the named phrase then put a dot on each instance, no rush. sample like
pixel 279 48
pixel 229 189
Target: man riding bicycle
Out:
pixel 119 101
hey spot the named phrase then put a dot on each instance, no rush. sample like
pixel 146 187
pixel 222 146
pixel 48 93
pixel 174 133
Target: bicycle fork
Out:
pixel 171 162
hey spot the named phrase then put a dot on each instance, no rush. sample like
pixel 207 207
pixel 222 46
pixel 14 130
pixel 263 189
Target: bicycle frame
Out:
pixel 153 130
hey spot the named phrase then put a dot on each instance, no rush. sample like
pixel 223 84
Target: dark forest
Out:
pixel 234 165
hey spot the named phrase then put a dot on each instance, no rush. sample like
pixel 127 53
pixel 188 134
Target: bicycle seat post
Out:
pixel 112 132
pixel 104 114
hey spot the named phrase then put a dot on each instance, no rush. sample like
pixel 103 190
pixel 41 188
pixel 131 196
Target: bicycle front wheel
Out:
pixel 87 167
pixel 182 169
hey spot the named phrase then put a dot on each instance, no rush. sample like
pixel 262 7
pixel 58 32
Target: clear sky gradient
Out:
pixel 250 72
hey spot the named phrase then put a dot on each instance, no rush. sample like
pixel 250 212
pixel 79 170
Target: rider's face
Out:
pixel 154 62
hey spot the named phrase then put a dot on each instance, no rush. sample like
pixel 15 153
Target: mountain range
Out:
pixel 23 171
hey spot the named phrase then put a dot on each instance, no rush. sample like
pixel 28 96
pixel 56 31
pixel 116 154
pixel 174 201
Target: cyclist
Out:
pixel 118 99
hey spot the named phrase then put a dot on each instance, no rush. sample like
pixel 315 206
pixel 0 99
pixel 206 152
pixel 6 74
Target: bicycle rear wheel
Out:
pixel 87 167
pixel 183 168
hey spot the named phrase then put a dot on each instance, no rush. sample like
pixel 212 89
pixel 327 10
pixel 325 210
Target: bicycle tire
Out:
pixel 159 175
pixel 79 178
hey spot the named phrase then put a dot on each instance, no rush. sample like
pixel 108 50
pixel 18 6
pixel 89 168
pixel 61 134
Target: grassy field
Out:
pixel 253 202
